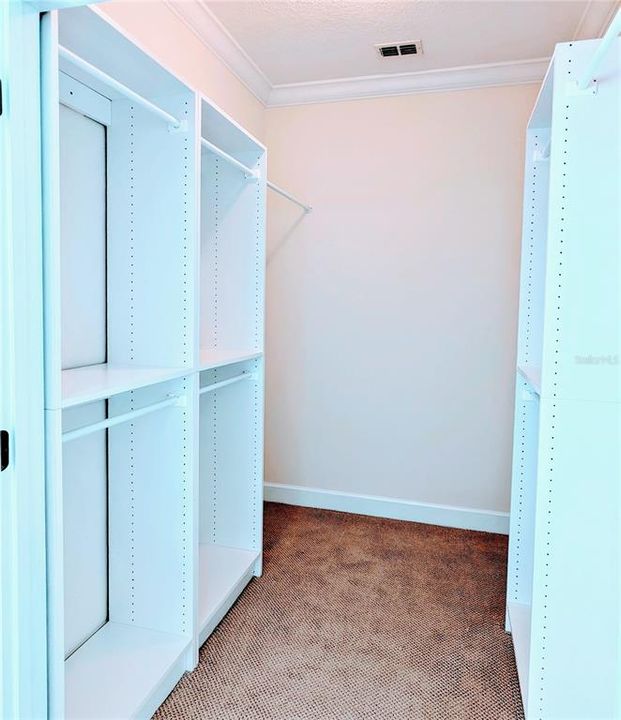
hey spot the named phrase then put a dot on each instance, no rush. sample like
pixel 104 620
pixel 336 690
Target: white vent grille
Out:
pixel 400 49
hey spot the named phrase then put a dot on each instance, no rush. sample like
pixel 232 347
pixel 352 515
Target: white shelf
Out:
pixel 122 672
pixel 223 573
pixel 210 359
pixel 97 382
pixel 519 619
pixel 532 375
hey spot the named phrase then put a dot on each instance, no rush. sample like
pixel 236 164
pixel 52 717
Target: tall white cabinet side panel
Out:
pixel 576 591
pixel 526 439
pixel 576 594
pixel 209 241
pixel 83 239
pixel 50 184
pixel 151 229
pixel 565 639
pixel 85 527
pixel 150 511
pixel 582 309
pixel 533 253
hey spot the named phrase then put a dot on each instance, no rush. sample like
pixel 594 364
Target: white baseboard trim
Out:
pixel 395 509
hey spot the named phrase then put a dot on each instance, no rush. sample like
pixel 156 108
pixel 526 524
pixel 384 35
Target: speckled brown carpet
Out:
pixel 360 618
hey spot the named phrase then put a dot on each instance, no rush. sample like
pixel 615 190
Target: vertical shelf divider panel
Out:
pixel 50 178
pixel 151 502
pixel 562 596
pixel 528 379
pixel 151 228
pixel 50 153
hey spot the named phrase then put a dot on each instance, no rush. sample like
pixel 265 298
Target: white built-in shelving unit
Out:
pixel 232 261
pixel 563 597
pixel 154 235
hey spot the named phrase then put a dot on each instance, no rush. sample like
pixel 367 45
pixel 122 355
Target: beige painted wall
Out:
pixel 165 36
pixel 392 307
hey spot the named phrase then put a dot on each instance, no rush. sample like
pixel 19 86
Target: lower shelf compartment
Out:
pixel 223 573
pixel 123 671
pixel 519 620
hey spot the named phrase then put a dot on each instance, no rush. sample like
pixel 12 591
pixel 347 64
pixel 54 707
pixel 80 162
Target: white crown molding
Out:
pixel 210 31
pixel 595 19
pixel 461 78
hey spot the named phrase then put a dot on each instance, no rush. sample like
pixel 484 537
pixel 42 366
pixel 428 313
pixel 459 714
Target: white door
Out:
pixel 23 646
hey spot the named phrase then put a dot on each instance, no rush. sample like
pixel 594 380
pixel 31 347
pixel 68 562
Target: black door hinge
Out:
pixel 0 97
pixel 4 450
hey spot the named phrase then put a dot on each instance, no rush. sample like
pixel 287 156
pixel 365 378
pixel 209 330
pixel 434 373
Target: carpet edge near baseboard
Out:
pixel 391 508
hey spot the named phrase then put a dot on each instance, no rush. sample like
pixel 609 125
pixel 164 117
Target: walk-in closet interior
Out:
pixel 416 511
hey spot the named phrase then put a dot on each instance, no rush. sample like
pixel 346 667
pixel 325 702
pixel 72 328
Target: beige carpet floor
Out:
pixel 358 618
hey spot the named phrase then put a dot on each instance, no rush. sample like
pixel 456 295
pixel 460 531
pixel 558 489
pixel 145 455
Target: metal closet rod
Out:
pixel 284 193
pixel 248 172
pixel 224 383
pixel 125 417
pixel 119 87
pixel 613 30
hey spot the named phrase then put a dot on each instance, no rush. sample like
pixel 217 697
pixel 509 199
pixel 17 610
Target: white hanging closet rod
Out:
pixel 284 193
pixel 119 87
pixel 118 419
pixel 611 34
pixel 248 172
pixel 224 383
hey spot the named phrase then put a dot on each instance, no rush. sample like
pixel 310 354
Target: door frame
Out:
pixel 23 596
pixel 24 674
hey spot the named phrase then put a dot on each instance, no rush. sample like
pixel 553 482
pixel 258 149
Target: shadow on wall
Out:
pixel 284 237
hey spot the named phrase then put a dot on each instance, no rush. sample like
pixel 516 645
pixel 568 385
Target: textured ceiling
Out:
pixel 307 40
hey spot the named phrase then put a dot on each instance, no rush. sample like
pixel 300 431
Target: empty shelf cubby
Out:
pixel 232 241
pixel 230 486
pixel 121 260
pixel 123 596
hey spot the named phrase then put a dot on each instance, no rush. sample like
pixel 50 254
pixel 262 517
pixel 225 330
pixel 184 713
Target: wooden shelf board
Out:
pixel 223 573
pixel 122 671
pixel 532 375
pixel 210 359
pixel 519 619
pixel 98 382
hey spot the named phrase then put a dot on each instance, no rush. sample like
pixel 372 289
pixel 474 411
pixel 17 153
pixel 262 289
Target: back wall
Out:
pixel 392 306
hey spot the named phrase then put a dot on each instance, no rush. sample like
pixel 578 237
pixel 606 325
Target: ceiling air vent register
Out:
pixel 412 47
